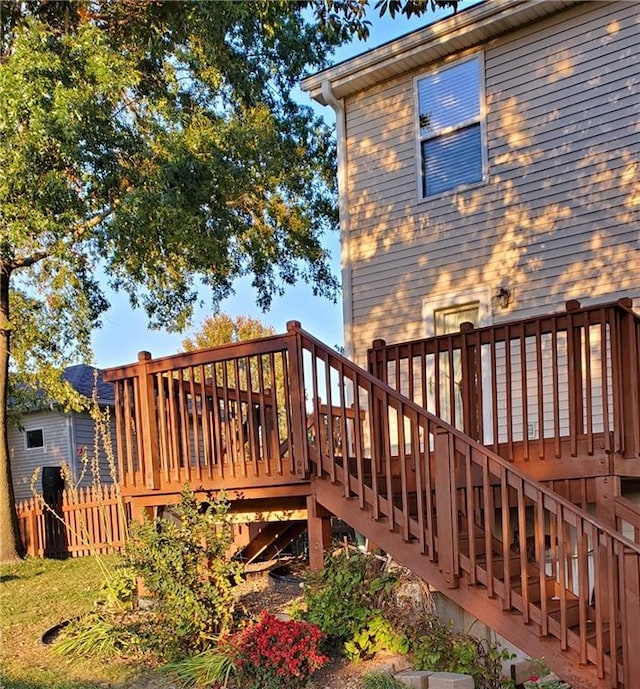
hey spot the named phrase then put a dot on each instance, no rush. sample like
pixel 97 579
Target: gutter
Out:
pixel 330 99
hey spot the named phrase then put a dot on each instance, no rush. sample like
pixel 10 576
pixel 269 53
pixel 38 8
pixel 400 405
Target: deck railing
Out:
pixel 213 418
pixel 284 409
pixel 469 511
pixel 558 386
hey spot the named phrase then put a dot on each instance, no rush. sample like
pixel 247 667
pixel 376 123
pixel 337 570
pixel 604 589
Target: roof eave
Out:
pixel 461 31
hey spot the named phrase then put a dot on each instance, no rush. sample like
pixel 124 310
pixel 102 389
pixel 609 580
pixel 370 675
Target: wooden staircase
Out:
pixel 288 419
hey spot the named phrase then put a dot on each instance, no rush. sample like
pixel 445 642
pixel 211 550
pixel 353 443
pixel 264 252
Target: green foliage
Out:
pixel 213 667
pixel 377 635
pixel 380 680
pixel 542 677
pixel 223 329
pixel 185 567
pixel 97 636
pixel 346 596
pixel 437 647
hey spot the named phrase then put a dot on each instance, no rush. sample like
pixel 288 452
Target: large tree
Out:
pixel 156 144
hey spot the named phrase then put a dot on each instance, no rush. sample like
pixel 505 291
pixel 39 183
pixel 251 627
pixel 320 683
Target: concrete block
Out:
pixel 417 679
pixel 450 680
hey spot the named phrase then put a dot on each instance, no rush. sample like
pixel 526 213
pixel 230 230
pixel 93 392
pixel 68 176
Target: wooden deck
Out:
pixel 427 455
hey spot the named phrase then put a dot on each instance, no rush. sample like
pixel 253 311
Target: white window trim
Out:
pixel 26 444
pixel 453 298
pixel 483 126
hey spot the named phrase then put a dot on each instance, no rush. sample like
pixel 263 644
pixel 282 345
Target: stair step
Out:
pixel 534 589
pixel 479 542
pixel 572 611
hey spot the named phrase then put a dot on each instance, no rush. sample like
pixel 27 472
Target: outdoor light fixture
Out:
pixel 503 297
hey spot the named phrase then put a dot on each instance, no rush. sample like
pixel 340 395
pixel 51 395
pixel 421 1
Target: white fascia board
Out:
pixel 468 28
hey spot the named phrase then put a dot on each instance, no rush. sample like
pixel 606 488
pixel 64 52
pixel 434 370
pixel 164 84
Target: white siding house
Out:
pixel 49 437
pixel 493 152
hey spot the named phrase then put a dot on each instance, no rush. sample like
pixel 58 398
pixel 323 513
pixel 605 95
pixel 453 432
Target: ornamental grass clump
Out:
pixel 266 654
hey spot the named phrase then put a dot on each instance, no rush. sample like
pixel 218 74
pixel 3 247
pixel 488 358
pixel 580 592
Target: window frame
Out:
pixel 26 438
pixel 481 119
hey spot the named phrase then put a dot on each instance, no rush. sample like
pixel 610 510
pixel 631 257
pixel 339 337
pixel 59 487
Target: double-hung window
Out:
pixel 450 126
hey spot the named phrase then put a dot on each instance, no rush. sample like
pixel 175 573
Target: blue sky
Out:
pixel 124 331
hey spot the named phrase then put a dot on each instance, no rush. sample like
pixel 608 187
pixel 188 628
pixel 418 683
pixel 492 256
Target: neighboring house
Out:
pixel 489 168
pixel 47 438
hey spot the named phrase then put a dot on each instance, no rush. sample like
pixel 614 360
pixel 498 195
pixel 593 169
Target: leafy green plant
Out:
pixel 380 680
pixel 377 635
pixel 438 647
pixel 542 677
pixel 343 597
pixel 185 568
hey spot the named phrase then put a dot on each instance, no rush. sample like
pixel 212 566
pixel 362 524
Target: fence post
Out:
pixel 630 379
pixel 148 417
pixel 446 511
pixel 31 531
pixel 299 447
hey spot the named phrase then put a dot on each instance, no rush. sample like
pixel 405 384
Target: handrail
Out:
pixel 435 486
pixel 543 387
pixel 213 417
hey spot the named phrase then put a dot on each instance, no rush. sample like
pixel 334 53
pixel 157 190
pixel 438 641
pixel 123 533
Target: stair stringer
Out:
pixel 472 598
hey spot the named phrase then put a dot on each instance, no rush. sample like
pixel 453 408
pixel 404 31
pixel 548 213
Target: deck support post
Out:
pixel 148 416
pixel 319 531
pixel 445 508
pixel 607 489
pixel 470 398
pixel 630 586
pixel 630 380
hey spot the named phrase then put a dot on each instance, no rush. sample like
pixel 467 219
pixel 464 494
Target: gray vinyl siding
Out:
pixel 25 462
pixel 558 217
pixel 84 438
pixel 64 438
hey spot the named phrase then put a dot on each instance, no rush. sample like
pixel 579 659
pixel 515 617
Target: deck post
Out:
pixel 445 508
pixel 470 400
pixel 607 489
pixel 378 368
pixel 299 451
pixel 630 379
pixel 319 531
pixel 576 392
pixel 151 455
pixel 631 607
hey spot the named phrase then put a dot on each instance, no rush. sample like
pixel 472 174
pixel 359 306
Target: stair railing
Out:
pixel 473 514
pixel 563 385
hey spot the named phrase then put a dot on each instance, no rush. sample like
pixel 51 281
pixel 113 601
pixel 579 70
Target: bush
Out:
pixel 185 568
pixel 347 600
pixel 276 654
pixel 437 647
pixel 267 654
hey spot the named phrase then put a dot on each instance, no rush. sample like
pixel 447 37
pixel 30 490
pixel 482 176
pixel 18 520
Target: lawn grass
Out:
pixel 35 595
